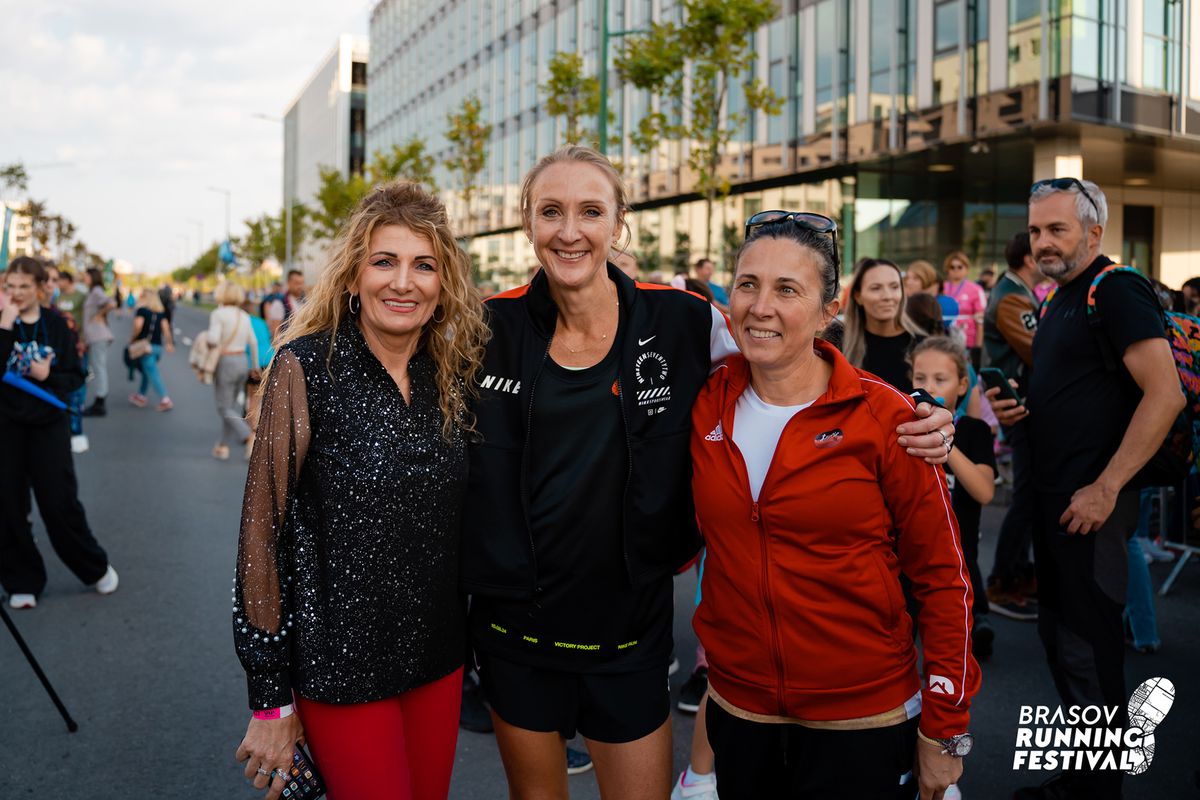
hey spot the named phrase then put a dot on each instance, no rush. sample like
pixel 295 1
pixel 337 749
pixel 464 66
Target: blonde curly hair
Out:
pixel 455 336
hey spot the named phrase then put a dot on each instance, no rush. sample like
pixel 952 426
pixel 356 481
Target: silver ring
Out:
pixel 945 438
pixel 262 771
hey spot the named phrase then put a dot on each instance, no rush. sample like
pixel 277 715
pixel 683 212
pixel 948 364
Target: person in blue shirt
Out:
pixel 704 271
pixel 262 333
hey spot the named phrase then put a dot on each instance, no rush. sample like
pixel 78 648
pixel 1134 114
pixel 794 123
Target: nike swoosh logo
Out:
pixel 644 342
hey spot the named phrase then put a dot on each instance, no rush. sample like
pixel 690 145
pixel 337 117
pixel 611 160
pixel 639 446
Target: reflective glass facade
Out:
pixel 876 93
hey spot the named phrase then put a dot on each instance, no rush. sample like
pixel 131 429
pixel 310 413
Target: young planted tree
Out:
pixel 336 200
pixel 468 135
pixel 713 47
pixel 571 95
pixel 408 161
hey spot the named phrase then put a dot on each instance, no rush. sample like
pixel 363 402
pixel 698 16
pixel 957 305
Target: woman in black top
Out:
pixel 346 597
pixel 878 333
pixel 151 323
pixel 579 508
pixel 38 347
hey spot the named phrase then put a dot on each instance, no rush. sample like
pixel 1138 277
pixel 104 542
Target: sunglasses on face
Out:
pixel 807 220
pixel 1063 184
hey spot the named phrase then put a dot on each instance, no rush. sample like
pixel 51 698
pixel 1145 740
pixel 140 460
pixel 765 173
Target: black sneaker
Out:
pixel 693 691
pixel 578 761
pixel 982 636
pixel 473 715
pixel 1012 606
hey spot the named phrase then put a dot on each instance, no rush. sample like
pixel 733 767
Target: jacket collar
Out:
pixel 844 384
pixel 544 313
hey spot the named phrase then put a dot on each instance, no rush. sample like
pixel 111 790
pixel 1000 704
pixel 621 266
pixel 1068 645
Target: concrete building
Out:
pixel 918 124
pixel 20 229
pixel 325 126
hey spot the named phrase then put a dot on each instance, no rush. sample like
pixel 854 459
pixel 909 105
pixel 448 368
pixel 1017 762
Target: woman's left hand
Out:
pixel 930 436
pixel 935 769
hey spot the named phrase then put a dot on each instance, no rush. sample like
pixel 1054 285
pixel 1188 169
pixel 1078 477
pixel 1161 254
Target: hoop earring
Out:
pixel 350 304
pixel 434 318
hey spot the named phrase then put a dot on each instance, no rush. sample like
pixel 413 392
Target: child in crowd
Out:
pixel 939 366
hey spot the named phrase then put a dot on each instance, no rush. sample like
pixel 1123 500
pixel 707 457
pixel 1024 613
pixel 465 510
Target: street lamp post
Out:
pixel 228 195
pixel 605 35
pixel 199 234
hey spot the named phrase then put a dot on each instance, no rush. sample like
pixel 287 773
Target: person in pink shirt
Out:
pixel 971 299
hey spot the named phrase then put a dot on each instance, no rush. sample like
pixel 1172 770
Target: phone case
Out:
pixel 304 782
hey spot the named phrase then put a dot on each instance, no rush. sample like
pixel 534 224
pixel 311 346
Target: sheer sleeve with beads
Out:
pixel 260 601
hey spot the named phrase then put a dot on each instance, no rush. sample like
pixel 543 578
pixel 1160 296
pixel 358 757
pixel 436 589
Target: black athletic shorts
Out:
pixel 612 708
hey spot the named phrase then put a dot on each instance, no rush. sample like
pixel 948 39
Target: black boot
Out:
pixel 96 409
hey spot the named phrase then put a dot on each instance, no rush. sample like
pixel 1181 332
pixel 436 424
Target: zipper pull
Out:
pixel 754 512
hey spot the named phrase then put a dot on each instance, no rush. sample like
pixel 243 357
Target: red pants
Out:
pixel 401 748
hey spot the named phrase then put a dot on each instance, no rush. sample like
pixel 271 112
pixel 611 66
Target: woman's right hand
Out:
pixel 8 312
pixel 267 747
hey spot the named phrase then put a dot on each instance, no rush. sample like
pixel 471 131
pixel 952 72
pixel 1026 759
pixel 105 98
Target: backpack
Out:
pixel 1180 451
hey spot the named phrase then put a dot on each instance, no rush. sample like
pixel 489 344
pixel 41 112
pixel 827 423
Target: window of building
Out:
pixel 1160 45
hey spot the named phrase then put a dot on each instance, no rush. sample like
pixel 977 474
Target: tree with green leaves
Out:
pixel 571 95
pixel 13 176
pixel 64 233
pixel 692 65
pixel 468 135
pixel 409 161
pixel 335 201
pixel 41 223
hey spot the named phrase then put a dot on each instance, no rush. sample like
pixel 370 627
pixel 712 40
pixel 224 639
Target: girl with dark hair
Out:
pixel 40 354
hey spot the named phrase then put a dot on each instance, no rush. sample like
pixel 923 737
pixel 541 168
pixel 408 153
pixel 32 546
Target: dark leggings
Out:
pixel 39 457
pixel 756 760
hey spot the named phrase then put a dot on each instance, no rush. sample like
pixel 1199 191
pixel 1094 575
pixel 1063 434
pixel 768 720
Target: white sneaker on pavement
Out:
pixel 703 787
pixel 952 793
pixel 108 584
pixel 19 601
pixel 79 443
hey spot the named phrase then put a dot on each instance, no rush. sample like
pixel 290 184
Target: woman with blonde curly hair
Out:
pixel 347 615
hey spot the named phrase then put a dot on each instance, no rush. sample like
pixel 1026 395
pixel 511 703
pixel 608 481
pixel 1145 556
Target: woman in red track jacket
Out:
pixel 811 511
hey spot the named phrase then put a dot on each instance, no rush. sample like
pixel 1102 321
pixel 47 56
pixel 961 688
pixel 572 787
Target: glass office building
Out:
pixel 918 124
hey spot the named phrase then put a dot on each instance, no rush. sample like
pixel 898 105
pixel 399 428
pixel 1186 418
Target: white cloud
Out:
pixel 148 104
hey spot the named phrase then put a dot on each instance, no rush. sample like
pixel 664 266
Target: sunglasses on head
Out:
pixel 805 219
pixel 1063 184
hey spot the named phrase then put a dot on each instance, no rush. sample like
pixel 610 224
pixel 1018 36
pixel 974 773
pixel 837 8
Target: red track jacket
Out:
pixel 802 613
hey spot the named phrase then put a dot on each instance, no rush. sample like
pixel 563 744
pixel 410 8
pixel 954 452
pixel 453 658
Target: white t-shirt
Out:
pixel 757 426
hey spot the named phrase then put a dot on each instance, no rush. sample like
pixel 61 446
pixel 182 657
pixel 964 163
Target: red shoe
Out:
pixel 138 400
pixel 165 404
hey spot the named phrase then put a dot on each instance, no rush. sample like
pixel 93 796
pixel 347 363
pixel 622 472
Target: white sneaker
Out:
pixel 79 443
pixel 108 584
pixel 952 793
pixel 1154 550
pixel 703 789
pixel 19 601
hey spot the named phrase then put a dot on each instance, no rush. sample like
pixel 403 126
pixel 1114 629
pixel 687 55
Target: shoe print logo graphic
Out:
pixel 1148 706
pixel 829 439
pixel 716 435
pixel 940 684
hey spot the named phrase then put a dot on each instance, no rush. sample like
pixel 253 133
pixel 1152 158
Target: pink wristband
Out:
pixel 275 713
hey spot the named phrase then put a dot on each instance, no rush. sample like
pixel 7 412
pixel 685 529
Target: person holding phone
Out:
pixel 40 349
pixel 940 367
pixel 347 616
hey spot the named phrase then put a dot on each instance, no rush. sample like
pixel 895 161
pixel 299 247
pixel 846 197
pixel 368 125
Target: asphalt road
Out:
pixel 150 673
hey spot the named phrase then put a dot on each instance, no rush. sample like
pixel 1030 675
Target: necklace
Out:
pixel 603 339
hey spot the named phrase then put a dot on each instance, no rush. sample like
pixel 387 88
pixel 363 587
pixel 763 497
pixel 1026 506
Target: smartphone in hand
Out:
pixel 995 379
pixel 303 781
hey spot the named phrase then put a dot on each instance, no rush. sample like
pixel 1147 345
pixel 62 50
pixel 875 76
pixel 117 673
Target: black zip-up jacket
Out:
pixel 66 373
pixel 668 341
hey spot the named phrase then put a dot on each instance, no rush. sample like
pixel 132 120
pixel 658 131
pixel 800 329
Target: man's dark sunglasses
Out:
pixel 1062 184
pixel 807 220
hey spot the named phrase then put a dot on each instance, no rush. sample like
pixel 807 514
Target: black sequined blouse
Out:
pixel 347 577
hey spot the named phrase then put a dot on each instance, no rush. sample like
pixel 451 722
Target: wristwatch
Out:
pixel 957 746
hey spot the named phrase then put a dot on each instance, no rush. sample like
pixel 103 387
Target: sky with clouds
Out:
pixel 125 111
